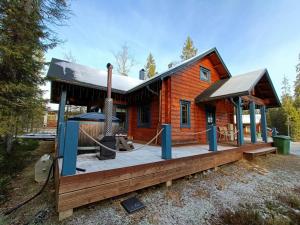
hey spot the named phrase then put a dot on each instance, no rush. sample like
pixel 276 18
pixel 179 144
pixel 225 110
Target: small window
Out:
pixel 144 116
pixel 204 74
pixel 185 113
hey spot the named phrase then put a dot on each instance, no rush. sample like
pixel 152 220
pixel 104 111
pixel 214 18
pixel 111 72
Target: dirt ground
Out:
pixel 197 199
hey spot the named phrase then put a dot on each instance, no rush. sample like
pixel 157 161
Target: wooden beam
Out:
pixel 256 100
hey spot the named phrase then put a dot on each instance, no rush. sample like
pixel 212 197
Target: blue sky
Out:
pixel 248 34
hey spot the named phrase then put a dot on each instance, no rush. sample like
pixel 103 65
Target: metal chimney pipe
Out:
pixel 108 107
pixel 109 77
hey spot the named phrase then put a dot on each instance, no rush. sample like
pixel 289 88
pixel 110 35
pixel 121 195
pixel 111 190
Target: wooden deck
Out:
pixel 84 188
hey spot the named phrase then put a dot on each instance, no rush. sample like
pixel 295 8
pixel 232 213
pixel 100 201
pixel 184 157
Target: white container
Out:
pixel 41 169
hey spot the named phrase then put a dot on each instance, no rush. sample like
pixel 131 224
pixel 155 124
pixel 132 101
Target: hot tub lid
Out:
pixel 92 116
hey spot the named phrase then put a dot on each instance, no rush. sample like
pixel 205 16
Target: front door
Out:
pixel 210 117
pixel 121 114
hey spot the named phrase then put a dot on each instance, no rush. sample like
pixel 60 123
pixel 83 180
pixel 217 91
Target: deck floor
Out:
pixel 148 154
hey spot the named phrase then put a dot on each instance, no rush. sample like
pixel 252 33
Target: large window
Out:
pixel 144 116
pixel 185 113
pixel 204 74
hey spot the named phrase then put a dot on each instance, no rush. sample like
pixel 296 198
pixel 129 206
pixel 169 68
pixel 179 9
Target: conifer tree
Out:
pixel 150 66
pixel 188 50
pixel 25 35
pixel 297 86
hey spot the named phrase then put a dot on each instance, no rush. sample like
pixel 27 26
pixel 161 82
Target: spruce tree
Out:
pixel 150 66
pixel 297 86
pixel 188 50
pixel 25 36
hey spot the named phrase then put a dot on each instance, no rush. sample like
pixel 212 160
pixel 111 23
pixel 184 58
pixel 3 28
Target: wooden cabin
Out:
pixel 190 101
pixel 190 96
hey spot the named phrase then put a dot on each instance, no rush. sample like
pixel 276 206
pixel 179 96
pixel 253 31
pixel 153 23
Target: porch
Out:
pixel 135 170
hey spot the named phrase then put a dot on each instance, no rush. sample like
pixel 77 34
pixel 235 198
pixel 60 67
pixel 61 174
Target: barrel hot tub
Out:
pixel 93 123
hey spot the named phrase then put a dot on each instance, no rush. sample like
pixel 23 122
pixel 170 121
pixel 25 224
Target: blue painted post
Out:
pixel 61 108
pixel 166 145
pixel 71 145
pixel 213 138
pixel 239 121
pixel 252 122
pixel 263 124
pixel 61 139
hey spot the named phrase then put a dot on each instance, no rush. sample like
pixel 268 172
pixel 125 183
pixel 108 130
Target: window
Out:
pixel 185 113
pixel 144 116
pixel 204 74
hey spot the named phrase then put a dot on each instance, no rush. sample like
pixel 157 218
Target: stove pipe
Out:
pixel 108 107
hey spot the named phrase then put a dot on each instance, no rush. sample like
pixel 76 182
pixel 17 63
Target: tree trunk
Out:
pixel 8 143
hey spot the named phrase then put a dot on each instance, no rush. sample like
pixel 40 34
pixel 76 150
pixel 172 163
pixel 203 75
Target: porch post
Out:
pixel 239 121
pixel 213 138
pixel 60 127
pixel 61 108
pixel 263 124
pixel 252 122
pixel 70 151
pixel 166 146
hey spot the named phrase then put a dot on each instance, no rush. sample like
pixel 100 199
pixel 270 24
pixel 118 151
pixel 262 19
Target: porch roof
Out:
pixel 256 83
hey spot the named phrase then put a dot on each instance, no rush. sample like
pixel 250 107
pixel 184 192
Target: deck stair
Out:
pixel 251 154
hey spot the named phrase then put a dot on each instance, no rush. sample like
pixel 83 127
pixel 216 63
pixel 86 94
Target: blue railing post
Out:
pixel 166 145
pixel 70 151
pixel 239 121
pixel 263 124
pixel 213 138
pixel 252 122
pixel 61 139
pixel 61 108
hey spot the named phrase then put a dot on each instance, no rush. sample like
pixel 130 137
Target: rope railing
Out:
pixel 199 132
pixel 135 149
pixel 228 133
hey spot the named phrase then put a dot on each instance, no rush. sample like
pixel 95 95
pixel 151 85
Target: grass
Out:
pixel 285 211
pixel 13 163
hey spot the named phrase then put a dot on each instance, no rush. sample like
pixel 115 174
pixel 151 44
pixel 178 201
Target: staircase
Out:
pixel 251 154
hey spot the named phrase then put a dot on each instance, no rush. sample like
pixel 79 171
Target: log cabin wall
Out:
pixel 186 85
pixel 143 133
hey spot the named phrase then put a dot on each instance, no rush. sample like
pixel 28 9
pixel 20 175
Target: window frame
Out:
pixel 202 77
pixel 188 124
pixel 139 122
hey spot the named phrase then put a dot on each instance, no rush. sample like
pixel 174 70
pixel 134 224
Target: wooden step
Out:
pixel 250 154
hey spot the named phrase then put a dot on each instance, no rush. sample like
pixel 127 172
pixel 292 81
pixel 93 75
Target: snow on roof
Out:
pixel 86 76
pixel 239 84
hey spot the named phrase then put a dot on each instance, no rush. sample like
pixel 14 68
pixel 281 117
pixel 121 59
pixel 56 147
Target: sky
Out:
pixel 249 35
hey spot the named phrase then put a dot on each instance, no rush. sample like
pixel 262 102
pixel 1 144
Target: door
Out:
pixel 121 114
pixel 210 117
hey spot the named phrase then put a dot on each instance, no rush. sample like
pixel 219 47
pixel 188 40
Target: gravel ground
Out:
pixel 197 199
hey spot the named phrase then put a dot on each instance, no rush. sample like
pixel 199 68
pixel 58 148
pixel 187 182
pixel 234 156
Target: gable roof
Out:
pixel 64 71
pixel 239 85
pixel 182 66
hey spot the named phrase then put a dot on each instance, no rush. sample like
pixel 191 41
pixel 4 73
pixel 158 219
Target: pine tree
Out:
pixel 25 36
pixel 188 50
pixel 297 86
pixel 150 66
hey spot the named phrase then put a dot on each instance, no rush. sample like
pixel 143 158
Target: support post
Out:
pixel 166 145
pixel 252 122
pixel 263 121
pixel 239 121
pixel 213 138
pixel 61 108
pixel 71 145
pixel 61 139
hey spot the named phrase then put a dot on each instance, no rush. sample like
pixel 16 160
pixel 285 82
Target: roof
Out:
pixel 92 116
pixel 239 85
pixel 85 76
pixel 64 71
pixel 182 66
